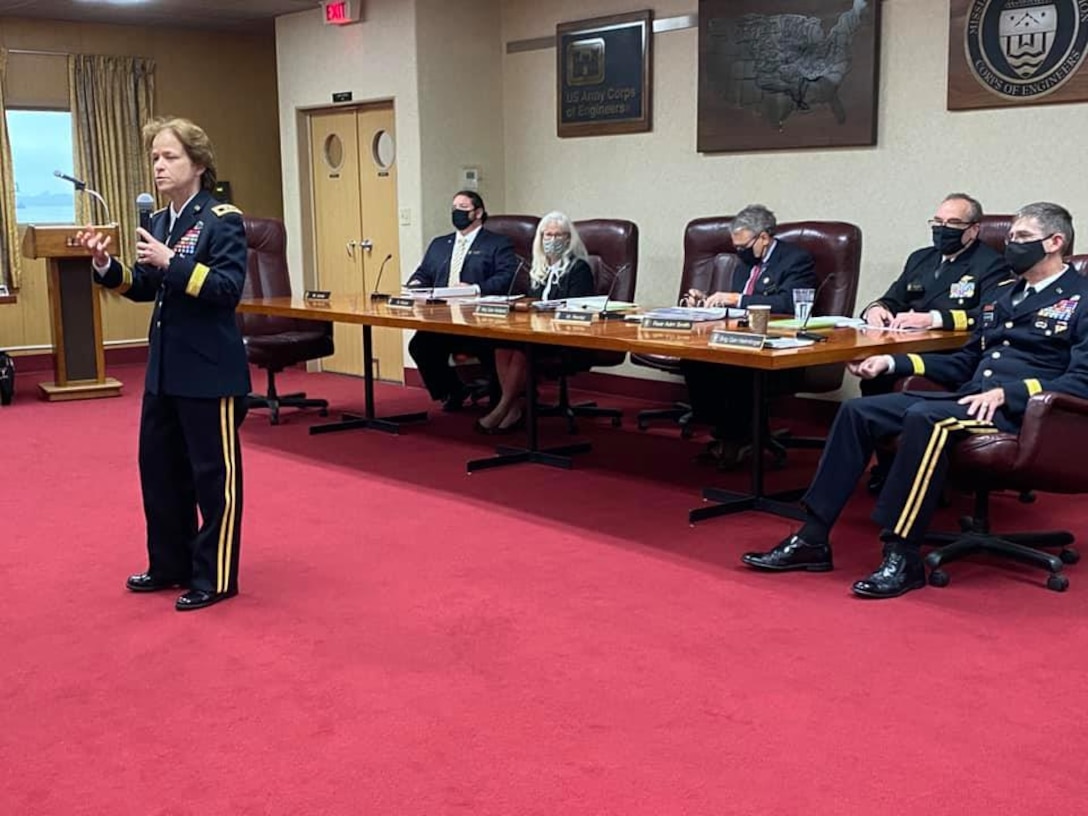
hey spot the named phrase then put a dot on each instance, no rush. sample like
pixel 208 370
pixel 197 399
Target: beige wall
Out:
pixel 460 104
pixel 376 61
pixel 224 82
pixel 1006 157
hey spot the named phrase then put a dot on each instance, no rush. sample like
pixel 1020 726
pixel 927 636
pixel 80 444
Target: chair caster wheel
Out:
pixel 1057 583
pixel 616 422
pixel 1027 497
pixel 324 412
pixel 686 432
pixel 938 578
pixel 642 426
pixel 1069 556
pixel 967 524
pixel 274 419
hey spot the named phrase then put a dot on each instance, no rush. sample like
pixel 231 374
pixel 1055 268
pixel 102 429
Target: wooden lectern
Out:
pixel 79 360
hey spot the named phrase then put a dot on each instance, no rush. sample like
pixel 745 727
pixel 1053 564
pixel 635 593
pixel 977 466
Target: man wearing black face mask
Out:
pixel 768 272
pixel 471 256
pixel 942 287
pixel 1032 336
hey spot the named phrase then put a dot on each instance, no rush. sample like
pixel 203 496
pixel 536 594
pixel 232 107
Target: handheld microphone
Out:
pixel 801 334
pixel 79 185
pixel 376 295
pixel 145 203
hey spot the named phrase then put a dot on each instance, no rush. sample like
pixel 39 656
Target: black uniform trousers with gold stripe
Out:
pixel 190 459
pixel 926 425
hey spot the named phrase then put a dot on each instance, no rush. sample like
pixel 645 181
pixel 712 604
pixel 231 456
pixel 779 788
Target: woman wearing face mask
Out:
pixel 560 270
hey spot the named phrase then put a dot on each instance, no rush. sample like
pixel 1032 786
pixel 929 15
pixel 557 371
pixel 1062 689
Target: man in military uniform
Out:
pixel 1033 337
pixel 192 264
pixel 942 287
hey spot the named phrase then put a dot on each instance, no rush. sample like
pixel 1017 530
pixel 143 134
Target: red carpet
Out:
pixel 412 640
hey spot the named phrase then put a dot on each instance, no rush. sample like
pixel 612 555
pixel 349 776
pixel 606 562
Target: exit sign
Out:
pixel 340 12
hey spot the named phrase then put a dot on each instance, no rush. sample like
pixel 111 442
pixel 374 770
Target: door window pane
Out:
pixel 41 142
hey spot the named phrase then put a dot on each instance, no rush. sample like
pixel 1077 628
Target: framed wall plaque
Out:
pixel 787 74
pixel 1016 52
pixel 603 72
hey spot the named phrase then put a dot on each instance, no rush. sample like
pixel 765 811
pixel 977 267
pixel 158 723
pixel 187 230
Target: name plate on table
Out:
pixel 316 294
pixel 667 324
pixel 492 310
pixel 581 316
pixel 736 340
pixel 401 303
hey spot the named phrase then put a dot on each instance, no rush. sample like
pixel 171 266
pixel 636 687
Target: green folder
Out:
pixel 813 323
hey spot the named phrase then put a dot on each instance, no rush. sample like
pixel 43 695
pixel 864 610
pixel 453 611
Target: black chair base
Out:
pixel 273 401
pixel 273 404
pixel 1026 548
pixel 680 413
pixel 564 408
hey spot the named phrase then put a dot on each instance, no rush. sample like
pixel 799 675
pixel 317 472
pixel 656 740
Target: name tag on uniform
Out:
pixel 962 289
pixel 988 314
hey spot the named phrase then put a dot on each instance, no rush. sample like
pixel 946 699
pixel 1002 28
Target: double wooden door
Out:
pixel 354 173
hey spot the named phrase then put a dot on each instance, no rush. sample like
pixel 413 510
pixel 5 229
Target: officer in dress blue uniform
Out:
pixel 942 286
pixel 1032 338
pixel 192 264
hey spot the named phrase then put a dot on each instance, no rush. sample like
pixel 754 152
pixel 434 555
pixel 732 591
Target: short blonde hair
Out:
pixel 198 147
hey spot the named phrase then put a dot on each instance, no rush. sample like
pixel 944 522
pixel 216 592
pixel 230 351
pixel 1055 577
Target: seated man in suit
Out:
pixel 1032 337
pixel 942 287
pixel 470 256
pixel 768 273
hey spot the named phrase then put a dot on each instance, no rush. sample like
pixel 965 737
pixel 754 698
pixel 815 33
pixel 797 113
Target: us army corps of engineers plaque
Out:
pixel 603 75
pixel 1017 52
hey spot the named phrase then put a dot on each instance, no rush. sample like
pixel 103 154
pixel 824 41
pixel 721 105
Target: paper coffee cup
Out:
pixel 758 318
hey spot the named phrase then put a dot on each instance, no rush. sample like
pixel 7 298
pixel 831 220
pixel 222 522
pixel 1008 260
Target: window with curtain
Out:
pixel 41 142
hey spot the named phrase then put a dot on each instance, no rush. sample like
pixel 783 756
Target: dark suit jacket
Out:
pixel 789 267
pixel 196 348
pixel 490 263
pixel 1041 344
pixel 966 283
pixel 577 281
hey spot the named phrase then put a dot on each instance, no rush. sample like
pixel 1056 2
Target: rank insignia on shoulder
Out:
pixel 225 209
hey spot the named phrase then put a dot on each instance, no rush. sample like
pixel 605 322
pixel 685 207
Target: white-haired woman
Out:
pixel 560 270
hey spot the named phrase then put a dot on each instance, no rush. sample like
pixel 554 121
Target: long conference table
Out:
pixel 536 330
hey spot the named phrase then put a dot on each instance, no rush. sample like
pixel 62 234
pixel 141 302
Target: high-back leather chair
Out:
pixel 1046 455
pixel 710 260
pixel 274 343
pixel 612 245
pixel 521 230
pixel 993 229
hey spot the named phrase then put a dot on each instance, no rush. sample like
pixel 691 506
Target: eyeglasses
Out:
pixel 954 223
pixel 1026 237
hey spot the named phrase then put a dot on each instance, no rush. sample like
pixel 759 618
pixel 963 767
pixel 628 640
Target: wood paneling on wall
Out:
pixel 224 82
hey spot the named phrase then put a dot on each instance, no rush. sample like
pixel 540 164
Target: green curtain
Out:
pixel 112 98
pixel 11 271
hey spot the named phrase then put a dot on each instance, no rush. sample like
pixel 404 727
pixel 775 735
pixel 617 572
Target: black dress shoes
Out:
pixel 200 598
pixel 455 400
pixel 145 582
pixel 793 553
pixel 901 571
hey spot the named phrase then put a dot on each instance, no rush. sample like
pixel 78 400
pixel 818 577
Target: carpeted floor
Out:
pixel 413 640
